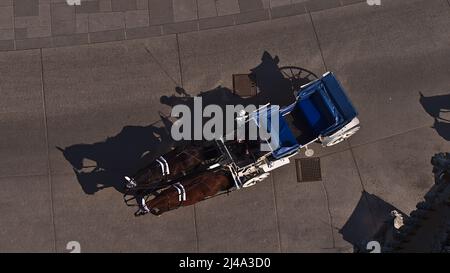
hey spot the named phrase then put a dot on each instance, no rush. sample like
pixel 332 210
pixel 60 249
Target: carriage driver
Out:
pixel 249 147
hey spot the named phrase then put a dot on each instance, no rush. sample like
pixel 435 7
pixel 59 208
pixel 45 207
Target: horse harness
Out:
pixel 181 196
pixel 166 171
pixel 164 166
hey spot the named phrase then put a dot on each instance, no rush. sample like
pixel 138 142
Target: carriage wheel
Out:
pixel 297 76
pixel 335 141
pixel 342 137
pixel 254 180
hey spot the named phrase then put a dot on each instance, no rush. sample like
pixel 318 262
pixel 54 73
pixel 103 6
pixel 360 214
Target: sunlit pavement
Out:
pixel 61 96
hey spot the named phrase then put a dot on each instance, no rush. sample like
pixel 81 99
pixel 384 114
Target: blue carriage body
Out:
pixel 321 108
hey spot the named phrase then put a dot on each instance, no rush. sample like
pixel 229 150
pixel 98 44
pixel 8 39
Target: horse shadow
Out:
pixel 435 106
pixel 104 164
pixel 273 86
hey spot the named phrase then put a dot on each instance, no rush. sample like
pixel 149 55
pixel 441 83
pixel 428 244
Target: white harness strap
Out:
pixel 162 167
pixel 181 191
pixel 165 164
pixel 144 205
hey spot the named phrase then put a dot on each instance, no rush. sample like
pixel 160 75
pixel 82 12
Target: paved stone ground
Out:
pixel 83 94
pixel 26 24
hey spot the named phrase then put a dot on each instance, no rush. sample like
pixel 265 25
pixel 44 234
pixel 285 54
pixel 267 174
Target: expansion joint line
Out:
pixel 318 42
pixel 50 186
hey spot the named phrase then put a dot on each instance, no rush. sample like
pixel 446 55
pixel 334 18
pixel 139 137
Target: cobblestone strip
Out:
pixel 28 24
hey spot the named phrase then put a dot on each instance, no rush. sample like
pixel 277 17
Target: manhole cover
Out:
pixel 308 169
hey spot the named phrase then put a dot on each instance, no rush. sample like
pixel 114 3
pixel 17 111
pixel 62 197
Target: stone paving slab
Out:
pixel 302 211
pixel 100 224
pixel 26 24
pixel 208 62
pixel 26 224
pixel 95 79
pixel 399 168
pixel 206 8
pixel 22 120
pixel 355 42
pixel 243 221
pixel 341 202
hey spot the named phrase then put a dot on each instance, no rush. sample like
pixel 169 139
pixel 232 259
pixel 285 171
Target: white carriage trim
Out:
pixel 352 124
pixel 166 164
pixel 236 178
pixel 162 166
pixel 265 139
pixel 272 165
pixel 214 166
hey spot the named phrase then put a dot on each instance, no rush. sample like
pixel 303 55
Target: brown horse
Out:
pixel 187 192
pixel 173 164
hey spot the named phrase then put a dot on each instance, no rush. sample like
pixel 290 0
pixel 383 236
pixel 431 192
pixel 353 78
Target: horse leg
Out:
pixel 159 204
pixel 163 202
pixel 143 208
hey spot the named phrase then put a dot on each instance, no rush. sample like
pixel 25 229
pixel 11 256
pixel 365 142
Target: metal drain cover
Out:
pixel 243 85
pixel 308 169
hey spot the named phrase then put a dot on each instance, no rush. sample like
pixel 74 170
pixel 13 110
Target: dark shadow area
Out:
pixel 371 220
pixel 275 85
pixel 424 230
pixel 435 106
pixel 442 128
pixel 103 164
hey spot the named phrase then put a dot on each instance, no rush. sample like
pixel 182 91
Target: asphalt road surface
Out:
pixel 110 97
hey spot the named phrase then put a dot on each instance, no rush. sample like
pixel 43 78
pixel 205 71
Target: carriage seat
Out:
pixel 282 141
pixel 316 112
pixel 287 142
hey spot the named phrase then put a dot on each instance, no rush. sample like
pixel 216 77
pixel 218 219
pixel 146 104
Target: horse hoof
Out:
pixel 140 213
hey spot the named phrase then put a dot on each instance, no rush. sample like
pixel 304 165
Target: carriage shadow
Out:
pixel 273 87
pixel 104 164
pixel 436 106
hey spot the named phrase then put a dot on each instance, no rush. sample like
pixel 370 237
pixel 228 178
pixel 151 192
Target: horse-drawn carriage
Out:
pixel 320 113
